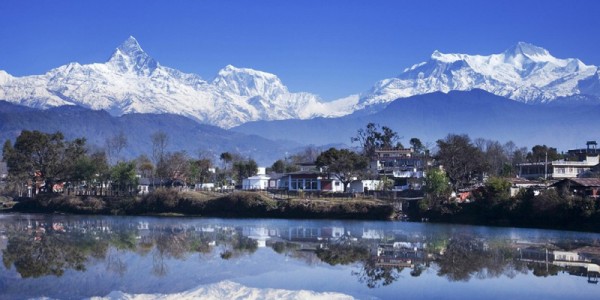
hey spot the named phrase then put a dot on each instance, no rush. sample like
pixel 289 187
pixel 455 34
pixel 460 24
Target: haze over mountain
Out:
pixel 183 134
pixel 131 81
pixel 430 117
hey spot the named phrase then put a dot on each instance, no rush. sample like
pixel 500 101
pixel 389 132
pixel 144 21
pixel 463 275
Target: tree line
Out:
pixel 47 162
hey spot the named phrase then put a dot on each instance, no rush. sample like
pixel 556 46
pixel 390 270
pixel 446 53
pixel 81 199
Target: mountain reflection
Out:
pixel 50 246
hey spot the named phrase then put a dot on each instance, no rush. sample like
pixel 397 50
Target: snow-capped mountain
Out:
pixel 133 82
pixel 524 72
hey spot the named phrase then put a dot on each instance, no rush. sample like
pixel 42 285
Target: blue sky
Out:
pixel 330 48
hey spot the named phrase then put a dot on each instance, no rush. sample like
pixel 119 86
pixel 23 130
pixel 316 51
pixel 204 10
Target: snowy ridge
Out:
pixel 524 72
pixel 133 82
pixel 228 290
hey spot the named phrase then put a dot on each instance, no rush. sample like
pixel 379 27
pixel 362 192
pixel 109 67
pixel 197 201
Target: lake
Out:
pixel 103 257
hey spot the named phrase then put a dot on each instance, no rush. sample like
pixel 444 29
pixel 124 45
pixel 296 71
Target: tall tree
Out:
pixel 461 160
pixel 374 137
pixel 342 164
pixel 159 145
pixel 244 169
pixel 114 146
pixel 542 153
pixel 123 176
pixel 417 145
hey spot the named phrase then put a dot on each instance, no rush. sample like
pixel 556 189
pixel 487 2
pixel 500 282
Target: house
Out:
pixel 589 187
pixel 580 162
pixel 206 186
pixel 275 181
pixel 146 185
pixel 365 185
pixel 517 184
pixel 402 165
pixel 257 182
pixel 309 181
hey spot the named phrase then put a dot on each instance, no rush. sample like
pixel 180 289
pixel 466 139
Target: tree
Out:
pixel 538 154
pixel 123 176
pixel 244 169
pixel 308 155
pixel 343 164
pixel 226 158
pixel 144 166
pixel 176 165
pixel 200 170
pixel 460 158
pixel 281 166
pixel 374 137
pixel 114 146
pixel 46 154
pixel 417 146
pixel 436 188
pixel 159 146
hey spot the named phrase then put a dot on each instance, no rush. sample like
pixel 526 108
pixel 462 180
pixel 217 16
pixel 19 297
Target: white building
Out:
pixel 258 182
pixel 365 185
pixel 571 169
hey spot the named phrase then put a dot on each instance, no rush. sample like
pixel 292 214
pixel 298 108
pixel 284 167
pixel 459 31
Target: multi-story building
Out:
pixel 404 166
pixel 578 162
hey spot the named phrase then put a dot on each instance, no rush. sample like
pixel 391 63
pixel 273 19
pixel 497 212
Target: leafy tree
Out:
pixel 417 145
pixel 123 176
pixel 460 158
pixel 281 166
pixel 374 137
pixel 437 188
pixel 199 170
pixel 226 158
pixel 33 151
pixel 244 169
pixel 342 164
pixel 538 154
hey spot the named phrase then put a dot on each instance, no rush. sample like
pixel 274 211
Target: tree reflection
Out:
pixel 375 275
pixel 342 254
pixel 51 249
pixel 35 255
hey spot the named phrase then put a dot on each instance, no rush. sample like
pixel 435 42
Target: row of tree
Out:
pixel 464 160
pixel 41 160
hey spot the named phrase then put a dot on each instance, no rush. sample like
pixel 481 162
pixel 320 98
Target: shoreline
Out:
pixel 191 204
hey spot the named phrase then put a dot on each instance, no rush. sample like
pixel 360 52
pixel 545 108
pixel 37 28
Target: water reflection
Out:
pixel 49 246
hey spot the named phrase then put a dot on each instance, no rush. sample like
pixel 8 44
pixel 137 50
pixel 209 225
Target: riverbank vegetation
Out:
pixel 492 205
pixel 236 204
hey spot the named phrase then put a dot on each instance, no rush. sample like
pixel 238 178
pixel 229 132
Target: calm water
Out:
pixel 74 257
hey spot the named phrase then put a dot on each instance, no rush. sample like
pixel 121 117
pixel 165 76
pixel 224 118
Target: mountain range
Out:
pixel 131 81
pixel 432 116
pixel 523 94
pixel 183 134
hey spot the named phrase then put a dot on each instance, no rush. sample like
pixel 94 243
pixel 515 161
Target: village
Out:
pixel 503 180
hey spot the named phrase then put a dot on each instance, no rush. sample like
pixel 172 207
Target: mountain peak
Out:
pixel 526 49
pixel 130 46
pixel 129 56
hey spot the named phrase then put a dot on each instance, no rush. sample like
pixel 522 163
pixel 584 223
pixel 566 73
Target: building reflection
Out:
pixel 377 256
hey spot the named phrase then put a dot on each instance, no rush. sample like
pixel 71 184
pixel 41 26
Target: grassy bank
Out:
pixel 237 204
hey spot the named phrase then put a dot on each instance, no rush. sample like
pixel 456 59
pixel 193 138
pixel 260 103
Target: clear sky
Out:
pixel 330 48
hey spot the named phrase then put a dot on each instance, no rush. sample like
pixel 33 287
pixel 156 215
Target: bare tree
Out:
pixel 114 146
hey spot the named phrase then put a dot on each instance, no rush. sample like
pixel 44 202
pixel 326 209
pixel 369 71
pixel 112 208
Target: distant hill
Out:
pixel 432 116
pixel 97 126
